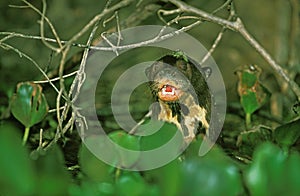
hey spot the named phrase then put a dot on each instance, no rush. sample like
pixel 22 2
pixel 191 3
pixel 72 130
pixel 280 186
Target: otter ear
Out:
pixel 153 69
pixel 206 71
pixel 148 72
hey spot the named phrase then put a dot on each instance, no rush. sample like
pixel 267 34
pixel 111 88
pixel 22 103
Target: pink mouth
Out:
pixel 169 93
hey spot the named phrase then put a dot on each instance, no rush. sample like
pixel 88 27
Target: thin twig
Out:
pixel 133 130
pixel 58 116
pixel 108 20
pixel 134 19
pixel 42 28
pixel 220 34
pixel 157 38
pixel 228 2
pixel 61 74
pixel 205 16
pixel 54 110
pixel 118 29
pixel 35 37
pixel 22 54
pixel 161 12
pixel 97 18
pixel 41 138
pixel 55 79
pixel 42 14
pixel 112 46
pixel 78 82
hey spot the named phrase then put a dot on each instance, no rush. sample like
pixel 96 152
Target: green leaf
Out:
pixel 131 184
pixel 249 102
pixel 273 172
pixel 165 177
pixel 167 139
pixel 17 173
pixel 29 105
pixel 53 178
pixel 160 137
pixel 95 169
pixel 125 140
pixel 87 188
pixel 252 93
pixel 286 135
pixel 249 79
pixel 129 142
pixel 212 174
pixel 180 55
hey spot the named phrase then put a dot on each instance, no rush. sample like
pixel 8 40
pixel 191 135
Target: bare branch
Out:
pixel 97 18
pixel 22 54
pixel 55 79
pixel 43 17
pixel 220 35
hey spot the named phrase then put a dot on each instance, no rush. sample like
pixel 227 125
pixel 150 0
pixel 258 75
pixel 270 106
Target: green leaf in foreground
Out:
pixel 119 149
pixel 53 178
pixel 286 135
pixel 131 184
pixel 165 177
pixel 212 174
pixel 95 169
pixel 273 172
pixel 17 173
pixel 126 142
pixel 87 188
pixel 160 137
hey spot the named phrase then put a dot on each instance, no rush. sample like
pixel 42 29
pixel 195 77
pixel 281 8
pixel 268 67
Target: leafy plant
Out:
pixel 253 94
pixel 29 105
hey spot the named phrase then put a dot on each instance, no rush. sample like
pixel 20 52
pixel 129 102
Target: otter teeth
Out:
pixel 164 92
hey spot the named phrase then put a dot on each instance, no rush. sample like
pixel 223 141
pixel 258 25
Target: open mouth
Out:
pixel 168 90
pixel 169 93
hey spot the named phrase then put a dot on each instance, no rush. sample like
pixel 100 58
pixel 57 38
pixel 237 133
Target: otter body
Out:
pixel 182 93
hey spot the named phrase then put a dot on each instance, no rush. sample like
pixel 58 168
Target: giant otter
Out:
pixel 182 93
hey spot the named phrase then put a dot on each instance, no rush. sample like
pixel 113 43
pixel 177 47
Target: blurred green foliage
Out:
pixel 44 173
pixel 273 172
